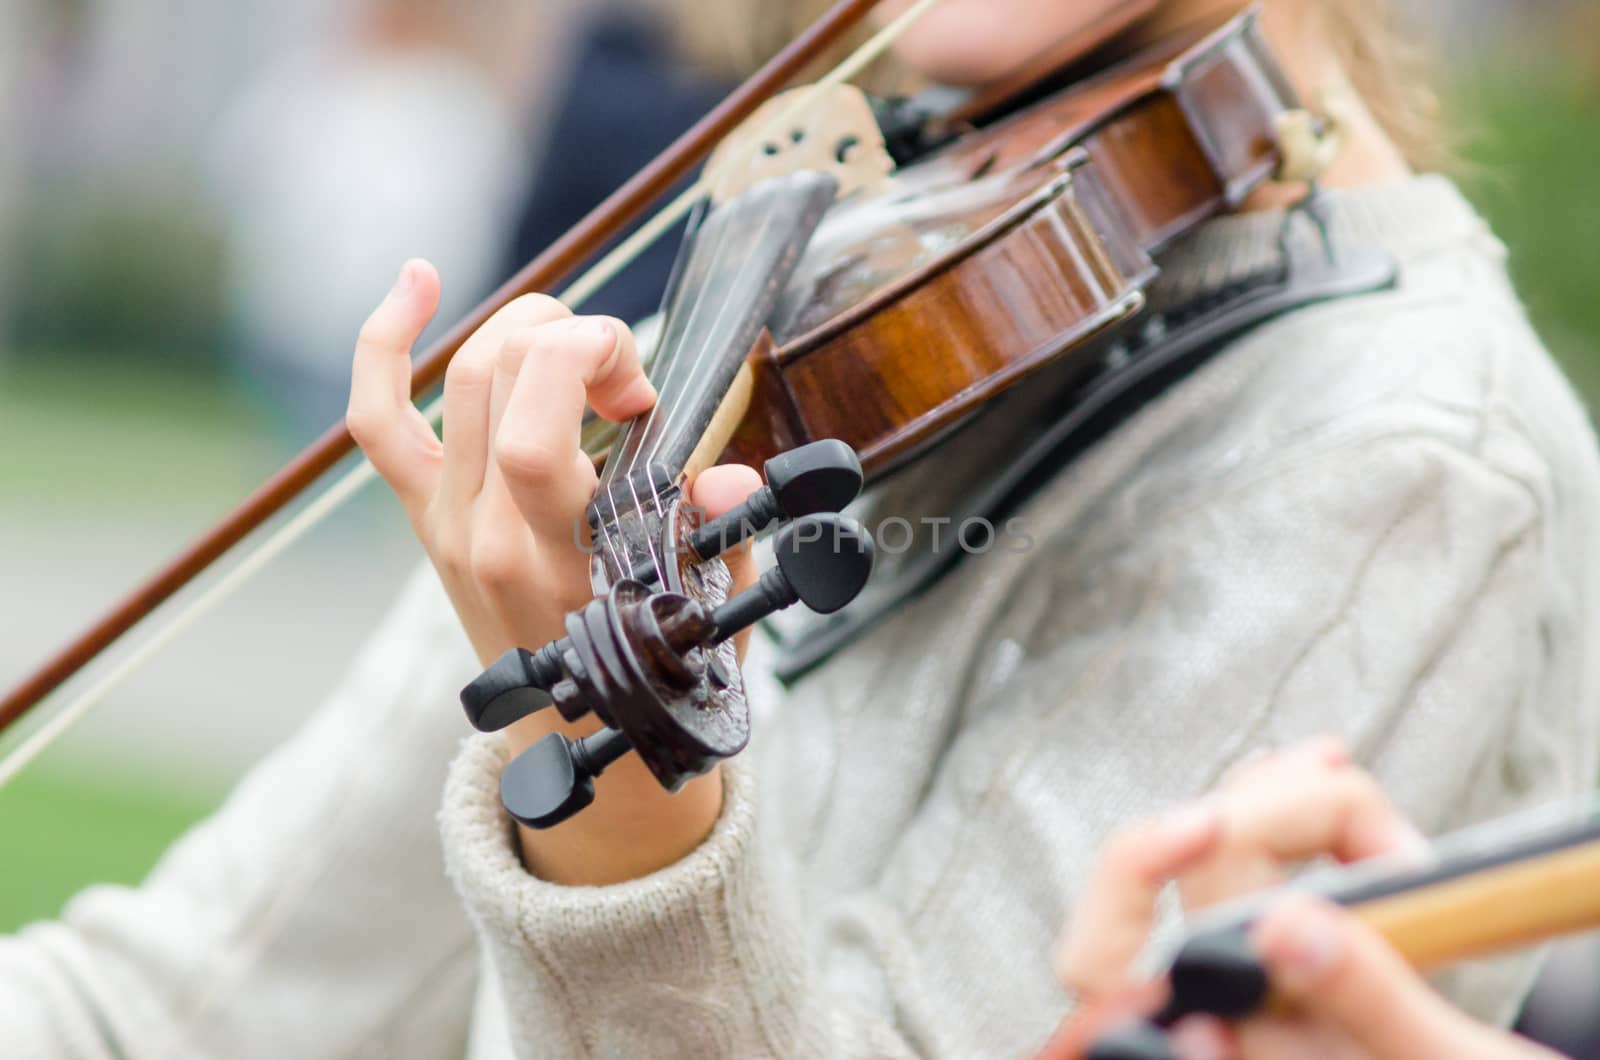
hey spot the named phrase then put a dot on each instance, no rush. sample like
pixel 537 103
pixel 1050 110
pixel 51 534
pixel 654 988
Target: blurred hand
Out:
pixel 499 508
pixel 1353 997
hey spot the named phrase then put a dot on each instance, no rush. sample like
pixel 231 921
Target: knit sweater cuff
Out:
pixel 707 948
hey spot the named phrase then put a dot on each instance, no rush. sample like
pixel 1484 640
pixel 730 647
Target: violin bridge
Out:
pixel 830 128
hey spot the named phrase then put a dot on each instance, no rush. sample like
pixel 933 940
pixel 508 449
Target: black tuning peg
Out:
pixel 514 686
pixel 1215 972
pixel 823 562
pixel 554 779
pixel 1134 1040
pixel 820 477
pixel 1218 973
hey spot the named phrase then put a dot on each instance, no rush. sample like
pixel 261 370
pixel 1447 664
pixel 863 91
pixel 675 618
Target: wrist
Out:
pixel 633 828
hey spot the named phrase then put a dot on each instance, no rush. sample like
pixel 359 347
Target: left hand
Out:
pixel 498 505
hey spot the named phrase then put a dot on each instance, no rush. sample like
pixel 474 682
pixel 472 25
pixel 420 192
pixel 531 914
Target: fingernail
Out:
pixel 602 328
pixel 598 329
pixel 1305 946
pixel 1200 1038
pixel 403 283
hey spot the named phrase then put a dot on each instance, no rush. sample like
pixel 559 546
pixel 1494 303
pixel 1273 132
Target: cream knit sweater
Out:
pixel 1371 517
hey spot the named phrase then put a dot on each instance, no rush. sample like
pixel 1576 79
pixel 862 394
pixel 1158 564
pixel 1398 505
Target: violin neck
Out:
pixel 730 274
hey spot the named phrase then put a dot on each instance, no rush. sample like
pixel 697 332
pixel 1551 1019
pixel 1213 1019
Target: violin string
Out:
pixel 646 234
pixel 661 516
pixel 607 267
pixel 704 297
pixel 322 506
pixel 852 64
pixel 656 560
pixel 623 562
pixel 616 551
pixel 721 308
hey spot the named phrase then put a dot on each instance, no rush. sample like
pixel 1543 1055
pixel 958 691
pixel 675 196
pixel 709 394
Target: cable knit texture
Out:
pixel 1372 517
pixel 1368 517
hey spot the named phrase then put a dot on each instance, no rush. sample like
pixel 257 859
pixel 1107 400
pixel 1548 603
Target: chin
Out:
pixel 966 44
pixel 974 42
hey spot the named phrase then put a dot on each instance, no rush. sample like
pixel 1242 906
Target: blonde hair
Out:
pixel 1379 53
pixel 1370 39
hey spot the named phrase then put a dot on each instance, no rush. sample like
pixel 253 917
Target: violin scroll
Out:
pixel 824 476
pixel 823 561
pixel 652 664
pixel 650 668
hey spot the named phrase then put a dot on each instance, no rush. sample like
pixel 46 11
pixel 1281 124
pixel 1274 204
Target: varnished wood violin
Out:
pixel 921 296
pixel 862 277
pixel 833 302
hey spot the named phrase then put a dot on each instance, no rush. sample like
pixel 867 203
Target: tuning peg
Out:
pixel 554 779
pixel 1218 973
pixel 514 686
pixel 823 562
pixel 819 477
pixel 1215 972
pixel 1133 1040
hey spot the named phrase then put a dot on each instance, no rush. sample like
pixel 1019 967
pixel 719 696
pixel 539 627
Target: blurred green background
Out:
pixel 119 416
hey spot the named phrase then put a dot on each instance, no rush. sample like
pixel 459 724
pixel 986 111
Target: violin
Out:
pixel 833 313
pixel 862 278
pixel 1484 890
pixel 924 294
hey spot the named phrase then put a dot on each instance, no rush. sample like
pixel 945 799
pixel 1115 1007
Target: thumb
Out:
pixel 1331 965
pixel 720 489
pixel 381 417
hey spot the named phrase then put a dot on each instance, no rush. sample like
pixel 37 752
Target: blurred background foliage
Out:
pixel 131 420
pixel 1529 138
pixel 131 275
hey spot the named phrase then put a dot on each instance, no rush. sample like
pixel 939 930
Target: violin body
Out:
pixel 830 316
pixel 822 301
pixel 1009 249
